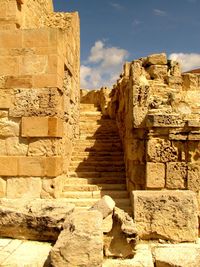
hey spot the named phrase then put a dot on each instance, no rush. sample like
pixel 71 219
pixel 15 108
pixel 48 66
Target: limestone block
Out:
pixel 135 150
pixel 10 39
pixel 53 166
pixel 35 64
pixel 81 241
pixel 161 150
pixel 19 81
pixel 157 59
pixel 42 102
pixel 31 166
pixel 9 65
pixel 181 255
pixel 42 127
pixel 190 81
pixel 36 37
pixel 52 188
pixel 158 72
pixel 169 215
pixel 176 175
pixel 40 220
pixel 8 166
pixel 2 187
pixel 164 120
pixel 16 146
pixel 24 187
pixel 45 147
pixel 155 175
pixel 193 182
pixel 107 224
pixel 9 127
pixel 5 98
pixel 105 206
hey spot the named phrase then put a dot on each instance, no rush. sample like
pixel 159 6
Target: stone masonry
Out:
pixel 39 96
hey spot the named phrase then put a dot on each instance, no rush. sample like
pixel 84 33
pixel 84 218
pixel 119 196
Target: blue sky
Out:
pixel 114 31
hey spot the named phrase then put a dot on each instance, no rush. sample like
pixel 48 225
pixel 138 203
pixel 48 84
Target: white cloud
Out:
pixel 159 12
pixel 103 66
pixel 117 6
pixel 188 61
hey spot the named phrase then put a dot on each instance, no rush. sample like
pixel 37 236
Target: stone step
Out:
pixel 101 121
pixel 97 174
pixel 127 209
pixel 88 107
pixel 98 153
pixel 98 142
pixel 92 158
pixel 99 137
pixel 105 148
pixel 88 202
pixel 80 186
pixel 99 163
pixel 95 194
pixel 97 168
pixel 91 114
pixel 114 182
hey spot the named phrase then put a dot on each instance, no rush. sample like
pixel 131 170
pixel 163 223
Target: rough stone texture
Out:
pixel 142 258
pixel 121 240
pixel 81 241
pixel 35 220
pixel 169 215
pixel 155 175
pixel 105 206
pixel 177 255
pixel 176 176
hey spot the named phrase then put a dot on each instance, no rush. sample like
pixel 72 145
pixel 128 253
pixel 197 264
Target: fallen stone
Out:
pixel 34 219
pixel 180 255
pixel 104 205
pixel 167 215
pixel 81 241
pixel 120 241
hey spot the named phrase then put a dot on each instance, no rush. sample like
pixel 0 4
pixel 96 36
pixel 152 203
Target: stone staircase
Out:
pixel 97 166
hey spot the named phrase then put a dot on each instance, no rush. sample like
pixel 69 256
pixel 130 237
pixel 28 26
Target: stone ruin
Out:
pixel 109 177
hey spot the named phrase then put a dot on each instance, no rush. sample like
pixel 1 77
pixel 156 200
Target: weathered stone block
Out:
pixel 35 64
pixel 157 59
pixel 190 81
pixel 177 255
pixel 176 175
pixel 161 150
pixel 155 175
pixel 42 127
pixel 24 187
pixel 31 166
pixel 53 166
pixel 164 120
pixel 194 177
pixel 169 215
pixel 16 146
pixel 2 187
pixel 81 241
pixel 9 127
pixel 33 219
pixel 45 147
pixel 10 39
pixel 158 72
pixel 36 37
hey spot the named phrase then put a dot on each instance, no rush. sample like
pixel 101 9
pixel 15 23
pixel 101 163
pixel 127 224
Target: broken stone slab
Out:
pixel 164 120
pixel 81 241
pixel 39 219
pixel 180 255
pixel 168 215
pixel 120 241
pixel 105 206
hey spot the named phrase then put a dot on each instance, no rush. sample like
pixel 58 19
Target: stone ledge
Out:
pixel 42 127
pixel 31 166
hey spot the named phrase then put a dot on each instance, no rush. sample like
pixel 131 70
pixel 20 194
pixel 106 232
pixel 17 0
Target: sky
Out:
pixel 115 31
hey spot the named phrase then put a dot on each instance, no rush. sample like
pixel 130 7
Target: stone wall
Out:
pixel 158 114
pixel 39 100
